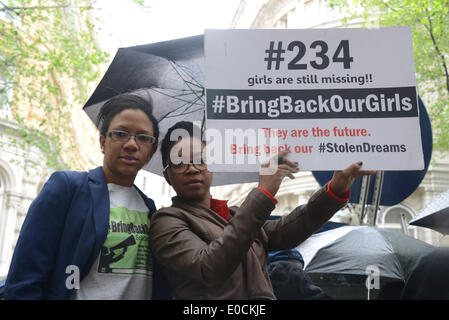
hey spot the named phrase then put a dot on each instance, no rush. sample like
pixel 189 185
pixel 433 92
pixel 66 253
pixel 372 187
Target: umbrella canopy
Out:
pixel 435 215
pixel 346 253
pixel 171 74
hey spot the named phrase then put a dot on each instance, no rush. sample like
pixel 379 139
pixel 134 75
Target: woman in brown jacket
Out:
pixel 210 251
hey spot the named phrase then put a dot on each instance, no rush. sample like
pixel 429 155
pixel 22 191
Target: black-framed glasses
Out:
pixel 123 136
pixel 182 167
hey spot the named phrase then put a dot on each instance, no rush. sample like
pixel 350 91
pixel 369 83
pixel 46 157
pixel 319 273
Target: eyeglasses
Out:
pixel 182 167
pixel 123 136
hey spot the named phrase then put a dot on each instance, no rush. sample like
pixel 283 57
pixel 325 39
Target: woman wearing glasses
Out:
pixel 86 234
pixel 211 251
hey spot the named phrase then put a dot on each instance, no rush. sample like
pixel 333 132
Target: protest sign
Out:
pixel 330 97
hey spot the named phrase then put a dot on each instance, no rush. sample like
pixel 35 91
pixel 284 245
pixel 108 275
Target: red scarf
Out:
pixel 220 207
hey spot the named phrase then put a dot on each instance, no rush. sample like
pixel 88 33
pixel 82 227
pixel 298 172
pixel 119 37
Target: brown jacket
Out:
pixel 206 257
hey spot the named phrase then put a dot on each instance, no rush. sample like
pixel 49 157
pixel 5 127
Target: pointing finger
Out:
pixel 292 169
pixel 353 169
pixel 286 173
pixel 367 172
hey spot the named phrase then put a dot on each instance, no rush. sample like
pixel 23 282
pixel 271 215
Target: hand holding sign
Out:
pixel 343 179
pixel 284 168
pixel 340 183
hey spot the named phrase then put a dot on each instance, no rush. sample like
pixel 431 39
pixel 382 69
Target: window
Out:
pixel 326 12
pixel 310 14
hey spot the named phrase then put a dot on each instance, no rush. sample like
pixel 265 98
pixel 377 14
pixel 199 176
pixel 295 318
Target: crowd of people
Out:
pixel 95 235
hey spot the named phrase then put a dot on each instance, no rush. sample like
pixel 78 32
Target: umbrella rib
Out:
pixel 184 69
pixel 177 71
pixel 196 85
pixel 177 110
pixel 204 120
pixel 184 113
pixel 172 89
pixel 187 92
pixel 187 106
pixel 176 89
pixel 112 89
pixel 174 97
pixel 190 104
pixel 182 92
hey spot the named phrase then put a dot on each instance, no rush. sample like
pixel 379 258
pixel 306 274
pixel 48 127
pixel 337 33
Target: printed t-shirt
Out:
pixel 123 269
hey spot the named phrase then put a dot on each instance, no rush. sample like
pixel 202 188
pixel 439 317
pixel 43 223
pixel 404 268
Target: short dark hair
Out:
pixel 122 102
pixel 167 143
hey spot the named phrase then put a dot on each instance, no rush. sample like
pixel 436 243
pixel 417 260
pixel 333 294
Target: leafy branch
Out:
pixel 429 20
pixel 437 49
pixel 49 61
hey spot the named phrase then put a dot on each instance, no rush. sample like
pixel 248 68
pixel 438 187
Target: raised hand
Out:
pixel 272 181
pixel 343 179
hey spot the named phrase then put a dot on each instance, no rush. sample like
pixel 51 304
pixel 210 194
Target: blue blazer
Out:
pixel 66 224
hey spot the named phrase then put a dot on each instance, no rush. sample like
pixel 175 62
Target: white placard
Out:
pixel 330 97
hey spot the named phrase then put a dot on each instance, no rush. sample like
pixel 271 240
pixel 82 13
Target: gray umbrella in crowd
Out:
pixel 345 256
pixel 171 74
pixel 435 215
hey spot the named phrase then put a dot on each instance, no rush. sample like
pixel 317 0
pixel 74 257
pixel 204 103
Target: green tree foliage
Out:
pixel 48 62
pixel 429 20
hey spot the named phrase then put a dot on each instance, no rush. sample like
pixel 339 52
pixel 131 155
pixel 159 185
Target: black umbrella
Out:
pixel 171 74
pixel 435 215
pixel 343 257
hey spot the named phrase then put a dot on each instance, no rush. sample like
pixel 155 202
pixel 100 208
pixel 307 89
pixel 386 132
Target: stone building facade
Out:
pixel 22 174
